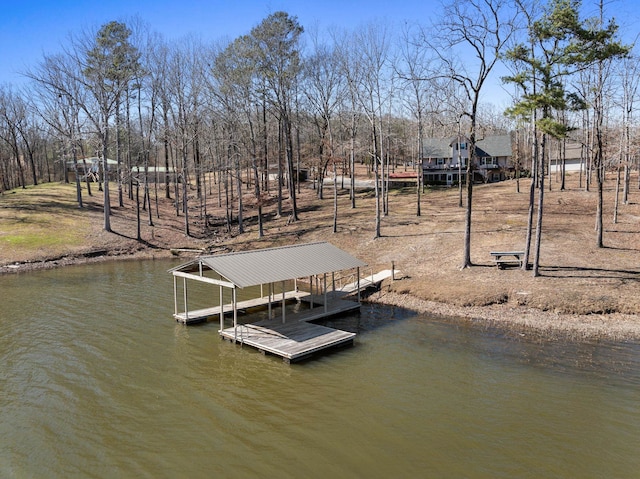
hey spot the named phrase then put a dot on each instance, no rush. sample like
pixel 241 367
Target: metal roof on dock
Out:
pixel 271 265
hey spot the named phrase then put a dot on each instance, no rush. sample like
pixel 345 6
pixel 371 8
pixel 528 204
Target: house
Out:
pixel 444 160
pixel 575 156
pixel 91 169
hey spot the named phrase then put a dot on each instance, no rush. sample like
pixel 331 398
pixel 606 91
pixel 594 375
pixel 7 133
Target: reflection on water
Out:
pixel 97 380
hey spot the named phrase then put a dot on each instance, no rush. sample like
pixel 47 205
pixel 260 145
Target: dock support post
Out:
pixel 186 309
pixel 358 273
pixel 269 307
pixel 175 295
pixel 235 317
pixel 284 303
pixel 393 270
pixel 221 309
pixel 325 292
pixel 311 290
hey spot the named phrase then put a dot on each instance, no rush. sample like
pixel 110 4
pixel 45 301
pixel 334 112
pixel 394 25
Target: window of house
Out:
pixel 463 146
pixel 440 161
pixel 488 161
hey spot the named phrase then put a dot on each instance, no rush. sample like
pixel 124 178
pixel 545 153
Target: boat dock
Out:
pixel 293 340
pixel 297 338
pixel 291 336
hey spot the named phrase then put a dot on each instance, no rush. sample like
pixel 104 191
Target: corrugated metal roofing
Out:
pixel 271 265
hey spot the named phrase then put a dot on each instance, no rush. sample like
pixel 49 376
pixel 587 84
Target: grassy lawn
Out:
pixel 42 221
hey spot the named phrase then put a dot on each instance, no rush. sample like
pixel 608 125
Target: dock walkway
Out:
pixel 368 281
pixel 199 315
pixel 335 305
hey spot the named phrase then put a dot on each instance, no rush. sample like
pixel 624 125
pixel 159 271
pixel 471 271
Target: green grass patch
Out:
pixel 44 218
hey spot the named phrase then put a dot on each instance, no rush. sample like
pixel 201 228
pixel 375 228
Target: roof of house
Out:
pixel 272 265
pixel 573 151
pixel 436 148
pixel 497 145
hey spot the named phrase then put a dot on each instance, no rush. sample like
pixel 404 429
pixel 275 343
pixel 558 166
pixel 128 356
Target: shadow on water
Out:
pixel 602 360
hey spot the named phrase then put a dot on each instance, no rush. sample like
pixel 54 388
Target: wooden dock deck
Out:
pixel 294 340
pixel 199 315
pixel 297 338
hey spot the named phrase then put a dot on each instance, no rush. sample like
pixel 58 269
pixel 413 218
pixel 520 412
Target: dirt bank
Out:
pixel 523 322
pixel 583 292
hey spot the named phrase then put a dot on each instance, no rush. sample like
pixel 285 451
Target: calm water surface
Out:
pixel 97 380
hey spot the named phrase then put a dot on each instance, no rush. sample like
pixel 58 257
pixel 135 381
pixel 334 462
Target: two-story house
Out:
pixel 445 160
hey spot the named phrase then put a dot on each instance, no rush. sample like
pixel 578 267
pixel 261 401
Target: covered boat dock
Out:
pixel 279 273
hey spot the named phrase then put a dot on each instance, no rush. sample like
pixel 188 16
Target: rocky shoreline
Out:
pixel 521 322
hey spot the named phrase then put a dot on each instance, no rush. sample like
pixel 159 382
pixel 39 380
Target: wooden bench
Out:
pixel 503 258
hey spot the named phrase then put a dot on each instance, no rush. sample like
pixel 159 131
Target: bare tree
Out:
pixel 352 71
pixel 373 44
pixel 413 67
pixel 101 63
pixel 62 114
pixel 275 49
pixel 480 28
pixel 186 89
pixel 324 90
pixel 630 79
pixel 10 132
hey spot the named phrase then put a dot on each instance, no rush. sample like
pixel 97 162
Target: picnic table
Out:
pixel 503 258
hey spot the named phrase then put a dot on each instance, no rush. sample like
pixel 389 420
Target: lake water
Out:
pixel 98 380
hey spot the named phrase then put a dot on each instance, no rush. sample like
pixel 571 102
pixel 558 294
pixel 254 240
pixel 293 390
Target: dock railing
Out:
pixel 342 281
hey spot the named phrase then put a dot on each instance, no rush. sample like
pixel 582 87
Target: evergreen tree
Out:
pixel 560 44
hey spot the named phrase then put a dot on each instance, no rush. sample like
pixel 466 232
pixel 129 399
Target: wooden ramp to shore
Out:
pixel 372 280
pixel 293 340
pixel 199 315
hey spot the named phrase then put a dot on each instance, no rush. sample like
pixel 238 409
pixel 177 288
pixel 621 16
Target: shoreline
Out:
pixel 525 322
pixel 514 322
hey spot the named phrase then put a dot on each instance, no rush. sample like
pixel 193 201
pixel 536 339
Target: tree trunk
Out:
pixel 280 171
pixel 138 235
pixel 291 170
pixel 335 199
pixel 466 261
pixel 239 190
pixel 165 142
pixel 536 257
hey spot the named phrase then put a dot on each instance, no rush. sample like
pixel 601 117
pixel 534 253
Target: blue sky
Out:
pixel 31 28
